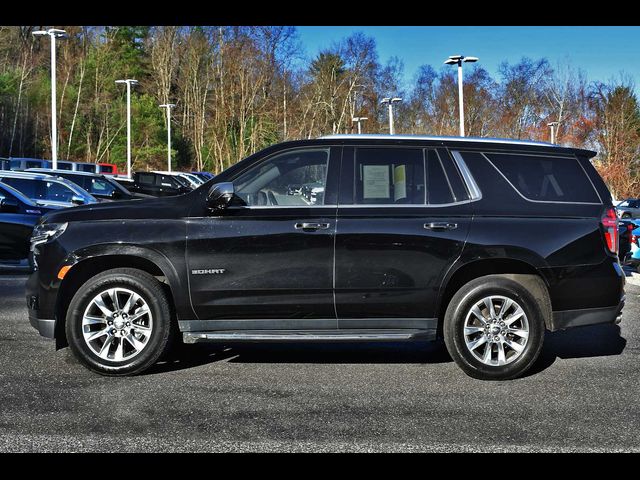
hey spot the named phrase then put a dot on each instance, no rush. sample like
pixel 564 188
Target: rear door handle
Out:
pixel 439 226
pixel 311 226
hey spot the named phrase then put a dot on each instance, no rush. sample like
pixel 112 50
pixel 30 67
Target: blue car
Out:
pixel 18 215
pixel 206 176
pixel 632 257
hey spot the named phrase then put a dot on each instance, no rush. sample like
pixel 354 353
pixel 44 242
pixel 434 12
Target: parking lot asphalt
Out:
pixel 581 396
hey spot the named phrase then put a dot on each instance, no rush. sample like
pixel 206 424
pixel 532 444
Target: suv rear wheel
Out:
pixel 119 322
pixel 494 328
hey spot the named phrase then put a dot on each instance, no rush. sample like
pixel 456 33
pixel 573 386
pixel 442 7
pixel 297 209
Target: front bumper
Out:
pixel 45 327
pixel 40 306
pixel 587 316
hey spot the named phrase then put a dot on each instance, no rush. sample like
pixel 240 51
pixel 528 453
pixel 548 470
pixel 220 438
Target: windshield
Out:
pixel 40 189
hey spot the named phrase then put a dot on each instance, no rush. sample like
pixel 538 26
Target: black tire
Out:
pixel 151 291
pixel 472 293
pixel 626 215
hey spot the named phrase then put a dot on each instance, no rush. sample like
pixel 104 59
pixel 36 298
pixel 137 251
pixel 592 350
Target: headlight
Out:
pixel 46 232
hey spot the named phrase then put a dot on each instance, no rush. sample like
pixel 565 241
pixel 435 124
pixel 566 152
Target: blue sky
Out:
pixel 601 52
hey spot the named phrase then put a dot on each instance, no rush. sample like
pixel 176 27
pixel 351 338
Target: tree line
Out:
pixel 238 89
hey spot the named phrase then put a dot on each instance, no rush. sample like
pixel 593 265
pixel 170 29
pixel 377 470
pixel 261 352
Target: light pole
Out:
pixel 53 34
pixel 457 60
pixel 553 126
pixel 129 82
pixel 358 120
pixel 390 101
pixel 168 106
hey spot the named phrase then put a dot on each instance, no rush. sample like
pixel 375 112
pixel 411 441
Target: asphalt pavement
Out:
pixel 581 396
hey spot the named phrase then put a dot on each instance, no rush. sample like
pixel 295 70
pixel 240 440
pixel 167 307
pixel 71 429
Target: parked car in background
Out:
pixel 629 208
pixel 206 176
pixel 100 186
pixel 632 259
pixel 186 178
pixel 625 234
pixel 18 215
pixel 413 238
pixel 24 163
pixel 107 168
pixel 158 184
pixel 47 190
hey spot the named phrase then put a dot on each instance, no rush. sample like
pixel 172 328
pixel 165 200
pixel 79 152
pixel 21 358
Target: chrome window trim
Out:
pixel 544 201
pixel 262 207
pixel 474 191
pixel 408 205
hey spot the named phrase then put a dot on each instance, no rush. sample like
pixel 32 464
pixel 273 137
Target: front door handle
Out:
pixel 311 226
pixel 439 226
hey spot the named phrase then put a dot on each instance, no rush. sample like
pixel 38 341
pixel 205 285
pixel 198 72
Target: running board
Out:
pixel 309 336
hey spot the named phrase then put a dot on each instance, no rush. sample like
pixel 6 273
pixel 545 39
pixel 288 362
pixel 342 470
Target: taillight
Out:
pixel 610 223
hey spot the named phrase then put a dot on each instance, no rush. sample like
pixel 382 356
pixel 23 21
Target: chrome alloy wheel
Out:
pixel 117 324
pixel 496 330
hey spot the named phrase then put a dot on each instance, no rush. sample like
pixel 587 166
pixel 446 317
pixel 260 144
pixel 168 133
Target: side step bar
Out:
pixel 309 336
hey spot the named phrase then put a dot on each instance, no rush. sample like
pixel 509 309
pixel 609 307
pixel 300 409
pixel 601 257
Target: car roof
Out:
pixel 32 175
pixel 66 172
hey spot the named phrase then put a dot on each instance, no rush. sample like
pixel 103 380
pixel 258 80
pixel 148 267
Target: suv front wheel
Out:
pixel 494 328
pixel 119 322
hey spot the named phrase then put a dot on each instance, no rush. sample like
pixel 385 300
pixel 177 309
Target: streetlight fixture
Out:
pixel 553 126
pixel 390 101
pixel 129 82
pixel 359 120
pixel 53 34
pixel 458 60
pixel 168 106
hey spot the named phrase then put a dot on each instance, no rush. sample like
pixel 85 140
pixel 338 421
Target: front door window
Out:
pixel 295 178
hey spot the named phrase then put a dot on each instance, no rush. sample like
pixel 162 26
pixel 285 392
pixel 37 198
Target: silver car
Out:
pixel 629 208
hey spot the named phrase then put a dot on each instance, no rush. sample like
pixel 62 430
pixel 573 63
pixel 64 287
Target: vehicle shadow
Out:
pixel 580 342
pixel 187 356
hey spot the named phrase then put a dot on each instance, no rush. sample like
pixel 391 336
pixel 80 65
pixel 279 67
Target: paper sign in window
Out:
pixel 399 182
pixel 376 182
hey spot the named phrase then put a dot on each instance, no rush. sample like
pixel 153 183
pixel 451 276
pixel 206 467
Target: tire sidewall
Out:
pixel 161 323
pixel 455 319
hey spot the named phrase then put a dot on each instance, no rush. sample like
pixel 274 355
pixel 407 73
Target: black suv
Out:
pixel 158 184
pixel 485 243
pixel 100 186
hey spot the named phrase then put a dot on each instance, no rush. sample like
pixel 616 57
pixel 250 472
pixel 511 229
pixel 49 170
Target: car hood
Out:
pixel 152 208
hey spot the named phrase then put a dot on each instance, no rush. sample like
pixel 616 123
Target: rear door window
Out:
pixel 389 176
pixel 146 178
pixel 546 179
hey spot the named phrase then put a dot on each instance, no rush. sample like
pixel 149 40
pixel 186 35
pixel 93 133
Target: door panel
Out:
pixel 271 268
pixel 268 263
pixel 391 258
pixel 388 265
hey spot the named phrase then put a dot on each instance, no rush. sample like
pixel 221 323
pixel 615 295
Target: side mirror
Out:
pixel 77 200
pixel 9 205
pixel 220 195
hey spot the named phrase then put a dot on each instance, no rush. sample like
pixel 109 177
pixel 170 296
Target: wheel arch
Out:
pixel 91 264
pixel 518 270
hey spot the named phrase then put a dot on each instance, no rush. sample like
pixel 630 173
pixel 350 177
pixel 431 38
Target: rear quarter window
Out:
pixel 544 178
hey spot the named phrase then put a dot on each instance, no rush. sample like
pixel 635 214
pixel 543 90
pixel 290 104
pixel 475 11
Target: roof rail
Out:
pixel 370 136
